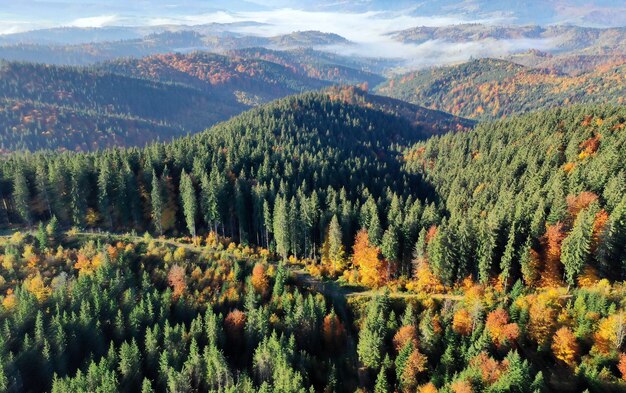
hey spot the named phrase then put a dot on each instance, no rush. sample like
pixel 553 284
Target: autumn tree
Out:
pixel 259 279
pixel 565 347
pixel 621 366
pixel 366 258
pixel 177 280
pixel 499 328
pixel 462 322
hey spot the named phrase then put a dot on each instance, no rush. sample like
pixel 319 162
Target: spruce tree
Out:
pixel 576 247
pixel 188 198
pixel 21 196
pixel 156 199
pixel 281 227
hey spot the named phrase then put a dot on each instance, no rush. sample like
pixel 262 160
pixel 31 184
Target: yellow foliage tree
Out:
pixel 366 258
pixel 10 301
pixel 36 286
pixel 565 347
pixel 610 334
pixel 462 322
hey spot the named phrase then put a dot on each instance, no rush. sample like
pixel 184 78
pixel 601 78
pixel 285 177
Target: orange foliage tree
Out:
pixel 177 281
pixel 543 313
pixel 36 286
pixel 234 324
pixel 366 258
pixel 611 333
pixel 333 331
pixel 565 347
pixel 576 203
pixel 415 364
pixel 428 388
pixel 551 242
pixel 499 328
pixel 259 279
pixel 403 335
pixel 490 369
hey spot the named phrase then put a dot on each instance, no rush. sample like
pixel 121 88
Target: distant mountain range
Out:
pixel 561 38
pixel 36 47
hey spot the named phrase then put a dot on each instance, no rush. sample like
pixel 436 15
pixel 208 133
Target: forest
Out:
pixel 488 89
pixel 132 102
pixel 323 243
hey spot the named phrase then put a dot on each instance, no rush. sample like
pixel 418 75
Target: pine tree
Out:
pixel 42 237
pixel 104 193
pixel 382 386
pixel 21 196
pixel 156 198
pixel 390 246
pixel 506 263
pixel 188 198
pixel 209 202
pixel 281 227
pixel 575 249
pixel 335 253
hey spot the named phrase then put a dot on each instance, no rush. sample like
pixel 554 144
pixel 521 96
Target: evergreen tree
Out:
pixel 156 198
pixel 576 246
pixel 21 196
pixel 281 227
pixel 188 198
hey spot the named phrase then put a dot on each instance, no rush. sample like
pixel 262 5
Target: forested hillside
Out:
pixel 323 65
pixel 79 109
pixel 133 102
pixel 491 89
pixel 501 248
pixel 252 81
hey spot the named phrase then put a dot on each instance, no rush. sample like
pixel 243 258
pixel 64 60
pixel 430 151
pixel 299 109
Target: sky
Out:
pixel 23 15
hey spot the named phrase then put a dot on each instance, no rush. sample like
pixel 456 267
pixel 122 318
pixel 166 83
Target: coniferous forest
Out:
pixel 315 237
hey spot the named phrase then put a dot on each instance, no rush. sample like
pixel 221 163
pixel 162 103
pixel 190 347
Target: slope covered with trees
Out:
pixel 504 263
pixel 134 101
pixel 491 89
pixel 323 65
pixel 251 80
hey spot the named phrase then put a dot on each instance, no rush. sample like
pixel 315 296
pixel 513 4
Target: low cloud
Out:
pixel 441 52
pixel 95 21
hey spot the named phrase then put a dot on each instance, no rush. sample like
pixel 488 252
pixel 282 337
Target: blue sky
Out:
pixel 21 15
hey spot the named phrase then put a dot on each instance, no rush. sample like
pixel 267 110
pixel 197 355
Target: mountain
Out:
pixel 134 101
pixel 86 35
pixel 160 41
pixel 490 88
pixel 251 81
pixel 560 38
pixel 322 65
